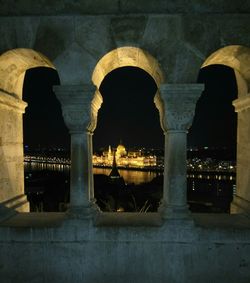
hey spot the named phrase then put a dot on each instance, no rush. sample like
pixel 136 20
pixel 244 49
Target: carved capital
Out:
pixel 80 105
pixel 176 104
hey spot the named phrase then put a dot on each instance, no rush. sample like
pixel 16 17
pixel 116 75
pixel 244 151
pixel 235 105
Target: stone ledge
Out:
pixel 34 220
pixel 63 7
pixel 242 103
pixel 126 219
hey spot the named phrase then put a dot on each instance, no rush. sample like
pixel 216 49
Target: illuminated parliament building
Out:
pixel 124 158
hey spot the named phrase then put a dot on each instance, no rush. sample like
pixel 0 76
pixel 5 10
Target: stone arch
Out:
pixel 238 58
pixel 13 65
pixel 124 57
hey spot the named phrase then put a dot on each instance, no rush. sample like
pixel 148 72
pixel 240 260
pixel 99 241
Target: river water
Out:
pixel 130 176
pixel 212 189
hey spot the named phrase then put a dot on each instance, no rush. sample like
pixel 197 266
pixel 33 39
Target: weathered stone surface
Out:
pixel 50 36
pixel 175 40
pixel 79 252
pixel 127 30
pixel 87 34
pixel 62 7
pixel 75 65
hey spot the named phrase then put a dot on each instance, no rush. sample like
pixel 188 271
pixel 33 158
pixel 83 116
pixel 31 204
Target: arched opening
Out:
pixel 13 66
pixel 128 134
pixel 212 142
pixel 124 57
pixel 14 63
pixel 236 57
pixel 235 60
pixel 46 143
pixel 128 127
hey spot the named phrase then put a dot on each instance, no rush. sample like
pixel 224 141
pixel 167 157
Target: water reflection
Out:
pixel 130 176
pixel 205 192
pixel 35 166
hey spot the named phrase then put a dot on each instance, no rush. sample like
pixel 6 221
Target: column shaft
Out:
pixel 174 192
pixel 79 171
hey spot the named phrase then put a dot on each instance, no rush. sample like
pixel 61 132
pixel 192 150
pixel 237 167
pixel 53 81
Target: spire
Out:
pixel 114 172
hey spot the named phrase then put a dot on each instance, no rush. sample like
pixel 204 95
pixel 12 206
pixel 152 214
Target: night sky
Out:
pixel 215 122
pixel 128 112
pixel 43 123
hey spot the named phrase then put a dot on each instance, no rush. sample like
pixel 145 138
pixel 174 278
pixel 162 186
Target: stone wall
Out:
pixel 79 42
pixel 80 252
pixel 47 7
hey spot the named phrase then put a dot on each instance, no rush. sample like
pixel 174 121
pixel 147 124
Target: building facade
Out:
pixel 126 159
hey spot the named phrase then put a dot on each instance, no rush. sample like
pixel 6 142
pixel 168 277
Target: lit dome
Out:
pixel 121 151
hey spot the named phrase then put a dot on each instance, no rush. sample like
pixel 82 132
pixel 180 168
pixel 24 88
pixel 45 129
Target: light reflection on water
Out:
pixel 129 176
pixel 35 166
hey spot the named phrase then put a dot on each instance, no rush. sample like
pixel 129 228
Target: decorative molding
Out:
pixel 240 205
pixel 242 103
pixel 159 104
pixel 12 103
pixel 95 106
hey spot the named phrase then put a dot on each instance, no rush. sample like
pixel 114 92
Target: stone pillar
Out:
pixel 12 196
pixel 78 106
pixel 241 201
pixel 176 104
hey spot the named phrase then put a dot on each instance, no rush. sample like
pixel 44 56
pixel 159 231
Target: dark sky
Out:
pixel 128 112
pixel 43 122
pixel 215 121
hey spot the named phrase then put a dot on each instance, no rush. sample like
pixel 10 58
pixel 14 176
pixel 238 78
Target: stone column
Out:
pixel 241 201
pixel 78 105
pixel 176 104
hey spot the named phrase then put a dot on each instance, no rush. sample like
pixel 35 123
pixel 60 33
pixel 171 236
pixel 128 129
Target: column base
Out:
pixel 175 212
pixel 11 206
pixel 94 206
pixel 6 212
pixel 240 205
pixel 80 212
